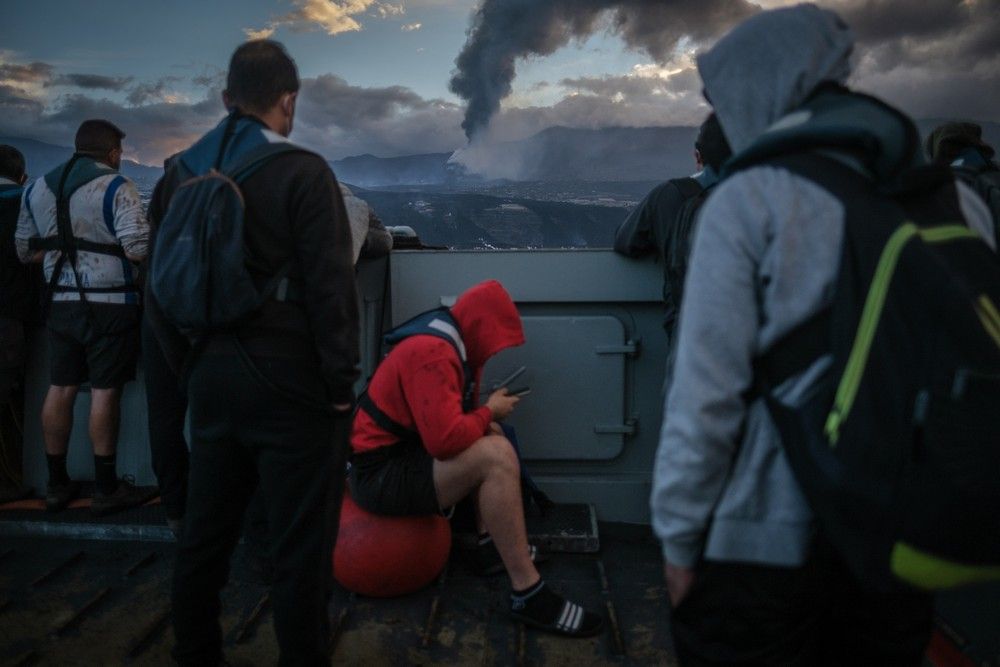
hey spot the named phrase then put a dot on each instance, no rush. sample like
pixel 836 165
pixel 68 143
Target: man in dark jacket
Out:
pixel 269 404
pixel 16 304
pixel 663 223
pixel 960 146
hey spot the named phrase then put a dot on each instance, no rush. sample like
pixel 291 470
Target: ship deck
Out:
pixel 68 600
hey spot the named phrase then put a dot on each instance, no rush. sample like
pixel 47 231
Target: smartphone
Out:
pixel 510 378
pixel 520 391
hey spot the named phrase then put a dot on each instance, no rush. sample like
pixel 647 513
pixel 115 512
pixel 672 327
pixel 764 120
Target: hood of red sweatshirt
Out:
pixel 489 321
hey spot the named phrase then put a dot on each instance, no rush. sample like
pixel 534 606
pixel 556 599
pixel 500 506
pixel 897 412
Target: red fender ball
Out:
pixel 386 556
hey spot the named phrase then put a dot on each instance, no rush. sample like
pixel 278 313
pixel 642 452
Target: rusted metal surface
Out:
pixel 56 569
pixel 432 613
pixel 77 615
pixel 247 626
pixel 461 620
pixel 147 635
pixel 617 643
pixel 142 562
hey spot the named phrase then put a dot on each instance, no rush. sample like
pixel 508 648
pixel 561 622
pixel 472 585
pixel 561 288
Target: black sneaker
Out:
pixel 546 610
pixel 126 495
pixel 58 496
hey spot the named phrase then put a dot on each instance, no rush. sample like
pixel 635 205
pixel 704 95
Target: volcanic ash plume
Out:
pixel 504 30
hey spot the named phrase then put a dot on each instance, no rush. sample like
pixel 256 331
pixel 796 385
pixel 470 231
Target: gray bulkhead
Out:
pixel 595 355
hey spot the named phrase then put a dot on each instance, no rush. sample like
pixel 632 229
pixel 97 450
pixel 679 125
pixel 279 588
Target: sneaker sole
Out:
pixel 554 630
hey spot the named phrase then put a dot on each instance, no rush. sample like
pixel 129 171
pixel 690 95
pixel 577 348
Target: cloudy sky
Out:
pixel 378 75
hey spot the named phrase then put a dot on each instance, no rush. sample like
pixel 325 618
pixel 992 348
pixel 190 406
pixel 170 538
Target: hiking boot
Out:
pixel 58 496
pixel 126 495
pixel 488 561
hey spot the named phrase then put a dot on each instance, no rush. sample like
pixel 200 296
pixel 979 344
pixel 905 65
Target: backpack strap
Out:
pixel 439 323
pixel 254 159
pixel 792 354
pixel 384 421
pixel 688 186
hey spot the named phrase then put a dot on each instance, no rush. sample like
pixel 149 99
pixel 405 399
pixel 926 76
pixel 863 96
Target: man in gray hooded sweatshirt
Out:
pixel 751 578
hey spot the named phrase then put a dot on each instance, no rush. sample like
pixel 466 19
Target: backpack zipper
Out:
pixel 871 314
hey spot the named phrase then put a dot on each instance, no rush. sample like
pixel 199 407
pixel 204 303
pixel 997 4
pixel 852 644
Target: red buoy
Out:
pixel 386 556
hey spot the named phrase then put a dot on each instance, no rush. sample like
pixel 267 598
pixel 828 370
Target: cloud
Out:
pixel 385 10
pixel 156 123
pixel 91 81
pixel 16 73
pixel 263 33
pixel 150 92
pixel 940 66
pixel 331 16
pixel 410 27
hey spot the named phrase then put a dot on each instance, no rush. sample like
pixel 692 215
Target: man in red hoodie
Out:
pixel 421 444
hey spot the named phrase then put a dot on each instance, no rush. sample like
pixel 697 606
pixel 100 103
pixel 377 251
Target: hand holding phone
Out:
pixel 520 391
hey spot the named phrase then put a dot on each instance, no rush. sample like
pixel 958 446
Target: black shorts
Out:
pixel 395 480
pixel 98 342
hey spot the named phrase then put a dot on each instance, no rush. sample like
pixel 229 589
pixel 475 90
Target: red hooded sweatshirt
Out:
pixel 419 384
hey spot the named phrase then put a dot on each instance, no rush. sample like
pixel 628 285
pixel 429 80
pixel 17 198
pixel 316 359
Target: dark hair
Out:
pixel 260 72
pixel 947 142
pixel 98 137
pixel 11 163
pixel 712 144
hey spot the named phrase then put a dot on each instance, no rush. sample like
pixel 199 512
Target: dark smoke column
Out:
pixel 504 30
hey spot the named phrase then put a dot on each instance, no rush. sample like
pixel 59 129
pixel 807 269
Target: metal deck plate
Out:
pixel 88 602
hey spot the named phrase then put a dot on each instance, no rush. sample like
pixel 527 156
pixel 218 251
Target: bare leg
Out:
pixel 490 469
pixel 57 419
pixel 105 416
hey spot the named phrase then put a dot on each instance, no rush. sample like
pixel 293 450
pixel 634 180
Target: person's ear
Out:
pixel 288 104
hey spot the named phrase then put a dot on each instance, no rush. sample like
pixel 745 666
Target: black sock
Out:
pixel 550 611
pixel 57 469
pixel 105 474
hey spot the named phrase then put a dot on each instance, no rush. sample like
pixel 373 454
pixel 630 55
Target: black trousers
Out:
pixel 814 615
pixel 166 406
pixel 244 435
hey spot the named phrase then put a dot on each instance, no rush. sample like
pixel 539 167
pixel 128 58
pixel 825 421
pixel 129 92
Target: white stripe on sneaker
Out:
pixel 574 625
pixel 567 610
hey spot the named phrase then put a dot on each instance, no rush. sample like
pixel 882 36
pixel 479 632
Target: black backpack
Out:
pixel 897 446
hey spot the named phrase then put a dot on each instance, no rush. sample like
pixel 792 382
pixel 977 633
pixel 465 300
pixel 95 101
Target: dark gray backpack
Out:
pixel 198 273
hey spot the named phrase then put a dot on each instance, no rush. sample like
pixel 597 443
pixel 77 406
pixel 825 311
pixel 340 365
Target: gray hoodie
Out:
pixel 764 260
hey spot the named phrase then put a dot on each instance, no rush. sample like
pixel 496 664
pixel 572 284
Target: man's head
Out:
pixel 101 140
pixel 263 81
pixel 711 147
pixel 770 64
pixel 12 164
pixel 947 142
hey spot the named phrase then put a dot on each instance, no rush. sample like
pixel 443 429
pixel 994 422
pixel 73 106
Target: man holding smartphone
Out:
pixel 421 444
